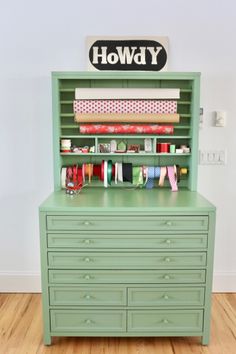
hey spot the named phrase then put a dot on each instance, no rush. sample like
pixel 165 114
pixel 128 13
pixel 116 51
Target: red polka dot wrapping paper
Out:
pixel 126 129
pixel 125 106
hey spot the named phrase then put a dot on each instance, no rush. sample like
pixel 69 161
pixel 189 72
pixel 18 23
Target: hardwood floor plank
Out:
pixel 21 332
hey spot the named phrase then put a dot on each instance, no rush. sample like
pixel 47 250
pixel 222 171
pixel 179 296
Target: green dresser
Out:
pixel 127 271
pixel 127 261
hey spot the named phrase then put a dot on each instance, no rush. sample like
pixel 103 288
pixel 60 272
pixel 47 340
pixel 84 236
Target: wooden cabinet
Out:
pixel 127 262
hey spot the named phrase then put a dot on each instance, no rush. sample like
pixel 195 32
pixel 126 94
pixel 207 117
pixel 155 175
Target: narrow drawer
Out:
pixel 127 223
pixel 88 321
pixel 115 260
pixel 183 296
pixel 125 276
pixel 165 321
pixel 135 240
pixel 88 296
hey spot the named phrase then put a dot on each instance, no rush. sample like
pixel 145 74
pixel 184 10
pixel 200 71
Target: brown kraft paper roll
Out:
pixel 127 118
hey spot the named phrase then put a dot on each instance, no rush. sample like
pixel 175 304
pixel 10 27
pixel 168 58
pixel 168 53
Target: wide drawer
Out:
pixel 125 276
pixel 88 321
pixel 88 296
pixel 177 296
pixel 134 260
pixel 165 321
pixel 127 223
pixel 136 240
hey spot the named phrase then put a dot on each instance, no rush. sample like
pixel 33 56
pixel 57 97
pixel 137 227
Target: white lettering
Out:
pixel 125 55
pixel 102 55
pixel 140 58
pixel 112 58
pixel 154 54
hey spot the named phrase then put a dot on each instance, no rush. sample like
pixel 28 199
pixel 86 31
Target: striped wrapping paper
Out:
pixel 125 106
pixel 126 118
pixel 126 129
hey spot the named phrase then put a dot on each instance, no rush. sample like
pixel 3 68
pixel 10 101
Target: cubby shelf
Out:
pixel 121 154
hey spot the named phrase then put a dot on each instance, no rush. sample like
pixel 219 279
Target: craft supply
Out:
pixel 109 171
pixel 126 129
pixel 163 148
pixel 163 173
pixel 105 174
pixel 133 148
pixel 65 145
pixel 179 151
pixel 172 149
pixel 172 178
pixel 183 171
pixel 148 145
pixel 104 148
pixel 127 172
pixel 120 172
pixel 153 172
pixel 121 147
pixel 126 93
pixel 113 145
pixel 126 118
pixel 137 175
pixel 63 177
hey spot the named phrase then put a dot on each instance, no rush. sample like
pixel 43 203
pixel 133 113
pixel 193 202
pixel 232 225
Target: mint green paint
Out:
pixel 122 262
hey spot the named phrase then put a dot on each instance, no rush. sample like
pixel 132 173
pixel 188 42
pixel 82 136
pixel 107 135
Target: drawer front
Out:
pixel 88 296
pixel 165 321
pixel 127 223
pixel 114 260
pixel 135 241
pixel 125 276
pixel 166 296
pixel 88 321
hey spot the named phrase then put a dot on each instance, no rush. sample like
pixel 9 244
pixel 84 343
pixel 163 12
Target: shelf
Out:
pixel 121 154
pixel 71 115
pixel 131 136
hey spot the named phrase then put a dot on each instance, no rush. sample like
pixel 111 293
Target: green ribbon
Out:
pixel 109 171
pixel 137 175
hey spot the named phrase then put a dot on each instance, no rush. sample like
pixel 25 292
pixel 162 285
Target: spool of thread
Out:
pixel 65 145
pixel 163 147
pixel 172 148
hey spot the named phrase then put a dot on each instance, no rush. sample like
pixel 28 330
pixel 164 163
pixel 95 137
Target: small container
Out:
pixel 65 145
pixel 172 149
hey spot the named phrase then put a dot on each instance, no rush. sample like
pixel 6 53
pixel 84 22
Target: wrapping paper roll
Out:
pixel 126 117
pixel 125 106
pixel 126 129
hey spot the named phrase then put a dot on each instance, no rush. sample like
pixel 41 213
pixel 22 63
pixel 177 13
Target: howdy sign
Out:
pixel 127 54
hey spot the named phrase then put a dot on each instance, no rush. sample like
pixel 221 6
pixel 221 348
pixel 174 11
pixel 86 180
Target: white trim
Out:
pixel 28 282
pixel 224 282
pixel 20 282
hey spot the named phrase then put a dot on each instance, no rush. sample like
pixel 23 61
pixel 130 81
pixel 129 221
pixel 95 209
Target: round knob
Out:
pixel 166 277
pixel 165 321
pixel 87 241
pixel 86 223
pixel 168 223
pixel 87 277
pixel 167 259
pixel 88 321
pixel 166 297
pixel 87 259
pixel 168 242
pixel 87 297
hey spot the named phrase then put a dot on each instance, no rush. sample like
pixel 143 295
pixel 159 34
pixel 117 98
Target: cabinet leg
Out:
pixel 205 339
pixel 47 339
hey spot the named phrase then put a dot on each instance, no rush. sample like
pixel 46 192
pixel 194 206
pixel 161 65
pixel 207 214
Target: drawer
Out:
pixel 183 296
pixel 88 296
pixel 115 260
pixel 127 223
pixel 165 321
pixel 136 240
pixel 125 276
pixel 88 321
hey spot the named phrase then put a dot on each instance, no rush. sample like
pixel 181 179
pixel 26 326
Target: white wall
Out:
pixel 37 37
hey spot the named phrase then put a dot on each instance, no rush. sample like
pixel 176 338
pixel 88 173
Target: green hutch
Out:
pixel 124 261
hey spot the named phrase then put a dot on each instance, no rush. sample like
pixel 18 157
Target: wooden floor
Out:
pixel 21 332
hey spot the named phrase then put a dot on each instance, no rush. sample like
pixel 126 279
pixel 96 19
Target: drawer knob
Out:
pixel 168 242
pixel 165 321
pixel 87 259
pixel 87 297
pixel 87 277
pixel 166 277
pixel 88 321
pixel 87 223
pixel 87 241
pixel 168 223
pixel 167 259
pixel 166 297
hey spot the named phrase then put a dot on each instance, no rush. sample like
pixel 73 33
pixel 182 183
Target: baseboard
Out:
pixel 27 282
pixel 20 282
pixel 224 282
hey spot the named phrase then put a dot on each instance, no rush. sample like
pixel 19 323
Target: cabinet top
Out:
pixel 125 200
